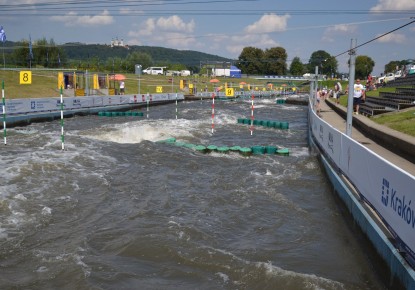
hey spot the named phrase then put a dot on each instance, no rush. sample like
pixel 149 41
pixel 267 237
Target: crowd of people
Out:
pixel 359 93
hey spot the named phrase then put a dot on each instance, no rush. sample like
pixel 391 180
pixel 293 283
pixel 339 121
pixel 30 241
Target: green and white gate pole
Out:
pixel 4 113
pixel 176 104
pixel 62 130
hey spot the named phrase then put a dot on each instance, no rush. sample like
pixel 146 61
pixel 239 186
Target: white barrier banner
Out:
pixel 387 188
pixel 329 138
pixel 38 105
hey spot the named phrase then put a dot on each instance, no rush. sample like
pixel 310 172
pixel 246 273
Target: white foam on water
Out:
pixel 304 281
pixel 148 130
pixel 309 281
pixel 46 211
pixel 223 276
pixel 300 152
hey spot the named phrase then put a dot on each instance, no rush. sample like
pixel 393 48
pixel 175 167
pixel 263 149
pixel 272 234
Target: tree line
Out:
pixel 251 61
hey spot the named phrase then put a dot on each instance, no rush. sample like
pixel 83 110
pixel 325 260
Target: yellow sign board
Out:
pixel 229 92
pixel 61 82
pixel 159 89
pixel 25 77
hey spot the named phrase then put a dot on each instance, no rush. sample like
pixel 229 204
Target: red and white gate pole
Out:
pixel 213 112
pixel 252 115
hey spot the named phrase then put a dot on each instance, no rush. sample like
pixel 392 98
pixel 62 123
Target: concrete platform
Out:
pixel 394 146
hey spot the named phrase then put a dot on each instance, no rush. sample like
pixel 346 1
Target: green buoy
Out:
pixel 270 149
pixel 284 125
pixel 235 148
pixel 212 148
pixel 201 148
pixel 283 151
pixel 223 149
pixel 245 151
pixel 258 149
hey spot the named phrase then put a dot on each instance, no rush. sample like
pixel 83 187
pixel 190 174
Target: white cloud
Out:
pixel 268 23
pixel 393 5
pixel 162 25
pixel 175 23
pixel 236 44
pixel 73 19
pixel 393 37
pixel 338 30
pixel 165 31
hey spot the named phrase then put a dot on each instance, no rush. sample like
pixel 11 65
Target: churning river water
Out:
pixel 118 210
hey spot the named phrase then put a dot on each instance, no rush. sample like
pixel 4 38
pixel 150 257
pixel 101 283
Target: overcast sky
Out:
pixel 223 27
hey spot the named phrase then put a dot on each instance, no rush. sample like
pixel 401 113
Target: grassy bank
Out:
pixel 402 121
pixel 45 84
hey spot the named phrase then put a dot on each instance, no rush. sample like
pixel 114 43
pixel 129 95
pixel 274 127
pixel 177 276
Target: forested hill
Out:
pixel 159 55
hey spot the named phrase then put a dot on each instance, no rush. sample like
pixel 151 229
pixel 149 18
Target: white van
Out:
pixel 154 70
pixel 185 73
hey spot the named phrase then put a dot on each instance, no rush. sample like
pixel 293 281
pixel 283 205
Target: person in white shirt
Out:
pixel 358 95
pixel 122 88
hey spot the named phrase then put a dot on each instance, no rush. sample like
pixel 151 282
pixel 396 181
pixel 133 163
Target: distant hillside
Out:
pixel 160 55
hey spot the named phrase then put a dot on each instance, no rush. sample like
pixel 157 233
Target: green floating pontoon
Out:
pixel 245 151
pixel 265 123
pixel 120 114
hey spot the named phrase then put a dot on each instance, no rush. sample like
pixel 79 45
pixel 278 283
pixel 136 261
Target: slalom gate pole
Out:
pixel 176 105
pixel 4 113
pixel 62 130
pixel 252 115
pixel 213 112
pixel 148 103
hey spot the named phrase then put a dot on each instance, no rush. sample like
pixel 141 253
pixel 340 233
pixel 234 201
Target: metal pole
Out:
pixel 4 113
pixel 315 88
pixel 139 79
pixel 349 120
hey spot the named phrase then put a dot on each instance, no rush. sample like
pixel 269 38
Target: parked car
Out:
pixel 184 73
pixel 398 74
pixel 386 78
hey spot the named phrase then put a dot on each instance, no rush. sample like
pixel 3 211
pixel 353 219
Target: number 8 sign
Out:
pixel 229 92
pixel 25 77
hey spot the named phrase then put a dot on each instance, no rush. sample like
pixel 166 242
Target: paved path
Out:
pixel 334 119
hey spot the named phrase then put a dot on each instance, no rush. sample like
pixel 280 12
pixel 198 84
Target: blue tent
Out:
pixel 235 72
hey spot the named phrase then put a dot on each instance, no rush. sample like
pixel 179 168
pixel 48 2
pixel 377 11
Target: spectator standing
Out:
pixel 337 91
pixel 318 99
pixel 122 88
pixel 358 95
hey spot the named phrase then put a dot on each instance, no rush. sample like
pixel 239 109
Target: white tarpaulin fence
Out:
pixel 388 189
pixel 40 105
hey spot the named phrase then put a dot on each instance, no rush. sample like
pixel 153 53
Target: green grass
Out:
pixel 402 121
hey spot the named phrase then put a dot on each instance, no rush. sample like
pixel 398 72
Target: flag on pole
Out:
pixel 2 34
pixel 30 47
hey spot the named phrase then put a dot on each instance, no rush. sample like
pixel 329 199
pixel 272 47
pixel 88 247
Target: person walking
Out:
pixel 358 95
pixel 317 103
pixel 122 88
pixel 337 92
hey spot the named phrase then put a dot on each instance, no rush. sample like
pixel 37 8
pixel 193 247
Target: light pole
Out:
pixel 138 70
